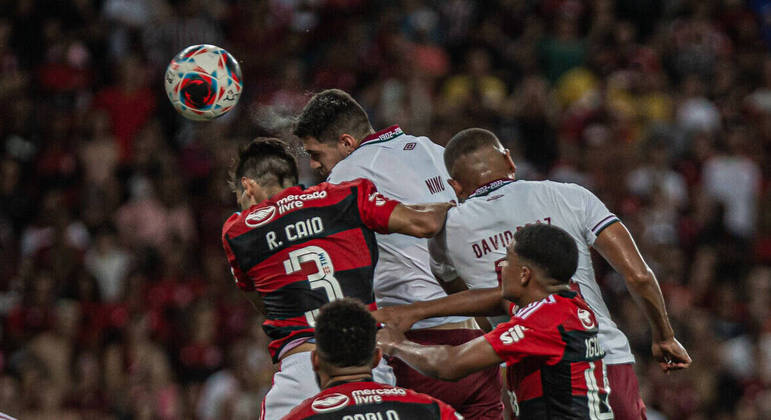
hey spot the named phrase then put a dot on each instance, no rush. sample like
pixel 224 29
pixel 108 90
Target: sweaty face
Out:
pixel 324 156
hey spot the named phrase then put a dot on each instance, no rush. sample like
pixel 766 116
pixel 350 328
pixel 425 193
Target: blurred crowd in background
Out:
pixel 116 300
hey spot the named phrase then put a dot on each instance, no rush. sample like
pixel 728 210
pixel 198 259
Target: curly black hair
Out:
pixel 345 333
pixel 550 248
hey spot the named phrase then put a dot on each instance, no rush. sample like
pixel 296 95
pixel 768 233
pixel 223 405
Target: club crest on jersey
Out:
pixel 377 198
pixel 260 216
pixel 329 403
pixel 586 318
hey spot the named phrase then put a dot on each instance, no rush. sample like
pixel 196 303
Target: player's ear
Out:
pixel 252 189
pixel 348 142
pixel 510 162
pixel 315 361
pixel 376 357
pixel 455 186
pixel 525 275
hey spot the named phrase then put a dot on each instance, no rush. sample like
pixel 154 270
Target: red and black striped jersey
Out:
pixel 372 400
pixel 555 361
pixel 303 248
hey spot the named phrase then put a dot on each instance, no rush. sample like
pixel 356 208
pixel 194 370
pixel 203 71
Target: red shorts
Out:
pixel 624 393
pixel 477 396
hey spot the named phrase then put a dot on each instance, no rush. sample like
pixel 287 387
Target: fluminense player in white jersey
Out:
pixel 343 146
pixel 494 206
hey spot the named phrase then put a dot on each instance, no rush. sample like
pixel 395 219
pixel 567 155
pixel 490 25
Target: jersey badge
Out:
pixel 377 198
pixel 586 318
pixel 329 403
pixel 260 216
pixel 409 146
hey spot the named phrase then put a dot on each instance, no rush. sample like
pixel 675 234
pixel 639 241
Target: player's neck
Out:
pixel 341 379
pixel 271 191
pixel 487 177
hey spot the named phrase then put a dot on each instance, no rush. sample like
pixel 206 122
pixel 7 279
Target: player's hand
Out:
pixel 671 355
pixel 388 337
pixel 399 318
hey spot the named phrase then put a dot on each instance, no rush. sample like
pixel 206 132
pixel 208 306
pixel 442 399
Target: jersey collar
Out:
pixel 382 135
pixel 490 187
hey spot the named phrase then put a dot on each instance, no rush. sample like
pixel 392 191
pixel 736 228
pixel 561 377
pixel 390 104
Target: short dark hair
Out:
pixel 550 248
pixel 465 142
pixel 266 160
pixel 329 114
pixel 345 333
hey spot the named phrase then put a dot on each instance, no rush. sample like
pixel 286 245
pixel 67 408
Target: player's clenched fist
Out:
pixel 399 318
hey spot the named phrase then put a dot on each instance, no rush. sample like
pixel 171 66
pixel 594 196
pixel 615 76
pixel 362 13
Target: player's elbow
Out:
pixel 641 278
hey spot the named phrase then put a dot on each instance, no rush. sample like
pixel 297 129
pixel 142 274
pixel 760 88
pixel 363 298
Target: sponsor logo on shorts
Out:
pixel 329 403
pixel 260 216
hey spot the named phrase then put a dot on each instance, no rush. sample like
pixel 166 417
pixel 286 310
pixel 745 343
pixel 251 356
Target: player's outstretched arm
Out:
pixel 616 245
pixel 448 363
pixel 421 220
pixel 475 302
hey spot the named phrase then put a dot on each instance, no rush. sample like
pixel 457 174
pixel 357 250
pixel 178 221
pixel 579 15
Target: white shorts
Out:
pixel 295 382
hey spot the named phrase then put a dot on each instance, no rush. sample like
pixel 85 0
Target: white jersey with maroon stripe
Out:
pixel 478 231
pixel 411 170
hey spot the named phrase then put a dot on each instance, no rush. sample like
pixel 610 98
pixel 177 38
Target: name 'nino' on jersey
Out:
pixel 303 248
pixel 478 231
pixel 409 169
pixel 371 400
pixel 555 361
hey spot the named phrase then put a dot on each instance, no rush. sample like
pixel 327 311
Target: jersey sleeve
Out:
pixel 517 339
pixel 374 208
pixel 441 265
pixel 446 412
pixel 595 216
pixel 241 279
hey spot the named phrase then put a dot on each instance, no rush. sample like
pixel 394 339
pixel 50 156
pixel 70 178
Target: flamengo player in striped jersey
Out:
pixel 343 361
pixel 292 249
pixel 550 344
pixel 343 146
pixel 495 206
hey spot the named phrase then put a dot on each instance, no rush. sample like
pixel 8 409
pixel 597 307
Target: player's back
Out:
pixel 303 248
pixel 409 169
pixel 478 231
pixel 371 400
pixel 556 368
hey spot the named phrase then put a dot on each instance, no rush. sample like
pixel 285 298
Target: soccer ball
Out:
pixel 203 82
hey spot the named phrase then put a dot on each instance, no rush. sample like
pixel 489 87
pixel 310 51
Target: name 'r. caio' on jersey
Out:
pixel 305 247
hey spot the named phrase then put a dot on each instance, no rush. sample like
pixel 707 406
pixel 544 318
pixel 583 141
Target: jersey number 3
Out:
pixel 323 278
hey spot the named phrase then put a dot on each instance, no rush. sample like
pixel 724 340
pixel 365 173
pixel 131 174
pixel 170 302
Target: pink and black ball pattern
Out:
pixel 203 82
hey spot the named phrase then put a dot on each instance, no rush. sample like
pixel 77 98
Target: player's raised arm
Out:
pixel 449 363
pixel 421 220
pixel 616 245
pixel 476 302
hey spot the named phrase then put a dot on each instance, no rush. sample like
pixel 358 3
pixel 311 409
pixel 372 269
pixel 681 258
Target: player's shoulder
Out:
pixel 547 312
pixel 232 224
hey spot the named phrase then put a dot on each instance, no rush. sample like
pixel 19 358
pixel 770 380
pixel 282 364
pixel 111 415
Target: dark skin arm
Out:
pixel 475 302
pixel 448 363
pixel 421 220
pixel 616 245
pixel 457 286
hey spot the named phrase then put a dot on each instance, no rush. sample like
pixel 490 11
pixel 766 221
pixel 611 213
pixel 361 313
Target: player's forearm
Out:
pixel 421 220
pixel 475 302
pixel 433 361
pixel 616 245
pixel 646 292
